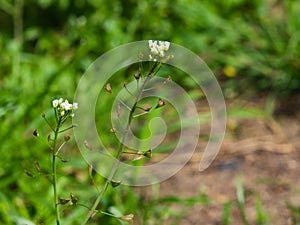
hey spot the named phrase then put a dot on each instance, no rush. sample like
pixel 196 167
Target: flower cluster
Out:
pixel 63 106
pixel 158 49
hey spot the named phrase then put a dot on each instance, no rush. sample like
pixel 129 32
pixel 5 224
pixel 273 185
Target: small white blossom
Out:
pixel 154 50
pixel 66 105
pixel 63 106
pixel 75 106
pixel 164 45
pixel 158 49
pixel 55 103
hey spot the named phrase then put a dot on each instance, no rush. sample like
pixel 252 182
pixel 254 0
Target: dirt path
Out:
pixel 265 154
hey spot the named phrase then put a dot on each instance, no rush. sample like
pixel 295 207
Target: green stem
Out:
pixel 18 21
pixel 18 36
pixel 54 176
pixel 119 152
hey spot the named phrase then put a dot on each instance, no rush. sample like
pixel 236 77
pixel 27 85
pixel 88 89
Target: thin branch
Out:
pixel 118 155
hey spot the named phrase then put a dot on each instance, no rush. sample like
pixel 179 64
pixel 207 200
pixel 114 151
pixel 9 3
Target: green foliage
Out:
pixel 45 52
pixel 261 216
pixel 241 200
pixel 226 213
pixel 295 214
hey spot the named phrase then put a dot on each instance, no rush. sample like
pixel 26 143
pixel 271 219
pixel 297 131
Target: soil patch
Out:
pixel 264 153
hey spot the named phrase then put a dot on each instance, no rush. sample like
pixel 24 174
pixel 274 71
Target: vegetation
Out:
pixel 46 46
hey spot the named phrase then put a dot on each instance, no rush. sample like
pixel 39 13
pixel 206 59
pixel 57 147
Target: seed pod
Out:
pixel 169 79
pixel 147 109
pixel 115 183
pixel 37 166
pixel 63 201
pixel 137 76
pixel 148 153
pixel 28 173
pixel 127 218
pixel 67 138
pixel 87 145
pixel 91 169
pixel 35 133
pixel 160 103
pixel 74 199
pixel 108 88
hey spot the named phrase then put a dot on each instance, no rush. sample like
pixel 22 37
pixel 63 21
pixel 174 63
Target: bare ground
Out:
pixel 265 153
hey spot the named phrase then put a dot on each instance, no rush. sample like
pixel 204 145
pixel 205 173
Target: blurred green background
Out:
pixel 253 48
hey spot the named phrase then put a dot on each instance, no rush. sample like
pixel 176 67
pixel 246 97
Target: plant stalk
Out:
pixel 118 155
pixel 54 176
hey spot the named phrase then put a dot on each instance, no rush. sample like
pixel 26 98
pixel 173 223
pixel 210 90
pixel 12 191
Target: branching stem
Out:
pixel 120 149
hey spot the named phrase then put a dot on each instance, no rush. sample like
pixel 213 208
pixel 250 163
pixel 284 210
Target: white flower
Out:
pixel 161 53
pixel 55 103
pixel 63 106
pixel 152 43
pixel 154 50
pixel 165 45
pixel 158 49
pixel 66 105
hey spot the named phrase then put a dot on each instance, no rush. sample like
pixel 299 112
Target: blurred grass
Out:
pixel 46 45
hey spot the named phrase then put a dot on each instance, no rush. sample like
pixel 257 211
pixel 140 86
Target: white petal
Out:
pixel 75 105
pixel 55 103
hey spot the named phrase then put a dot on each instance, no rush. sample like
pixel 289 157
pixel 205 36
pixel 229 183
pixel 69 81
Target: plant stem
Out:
pixel 18 35
pixel 54 177
pixel 18 21
pixel 119 152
